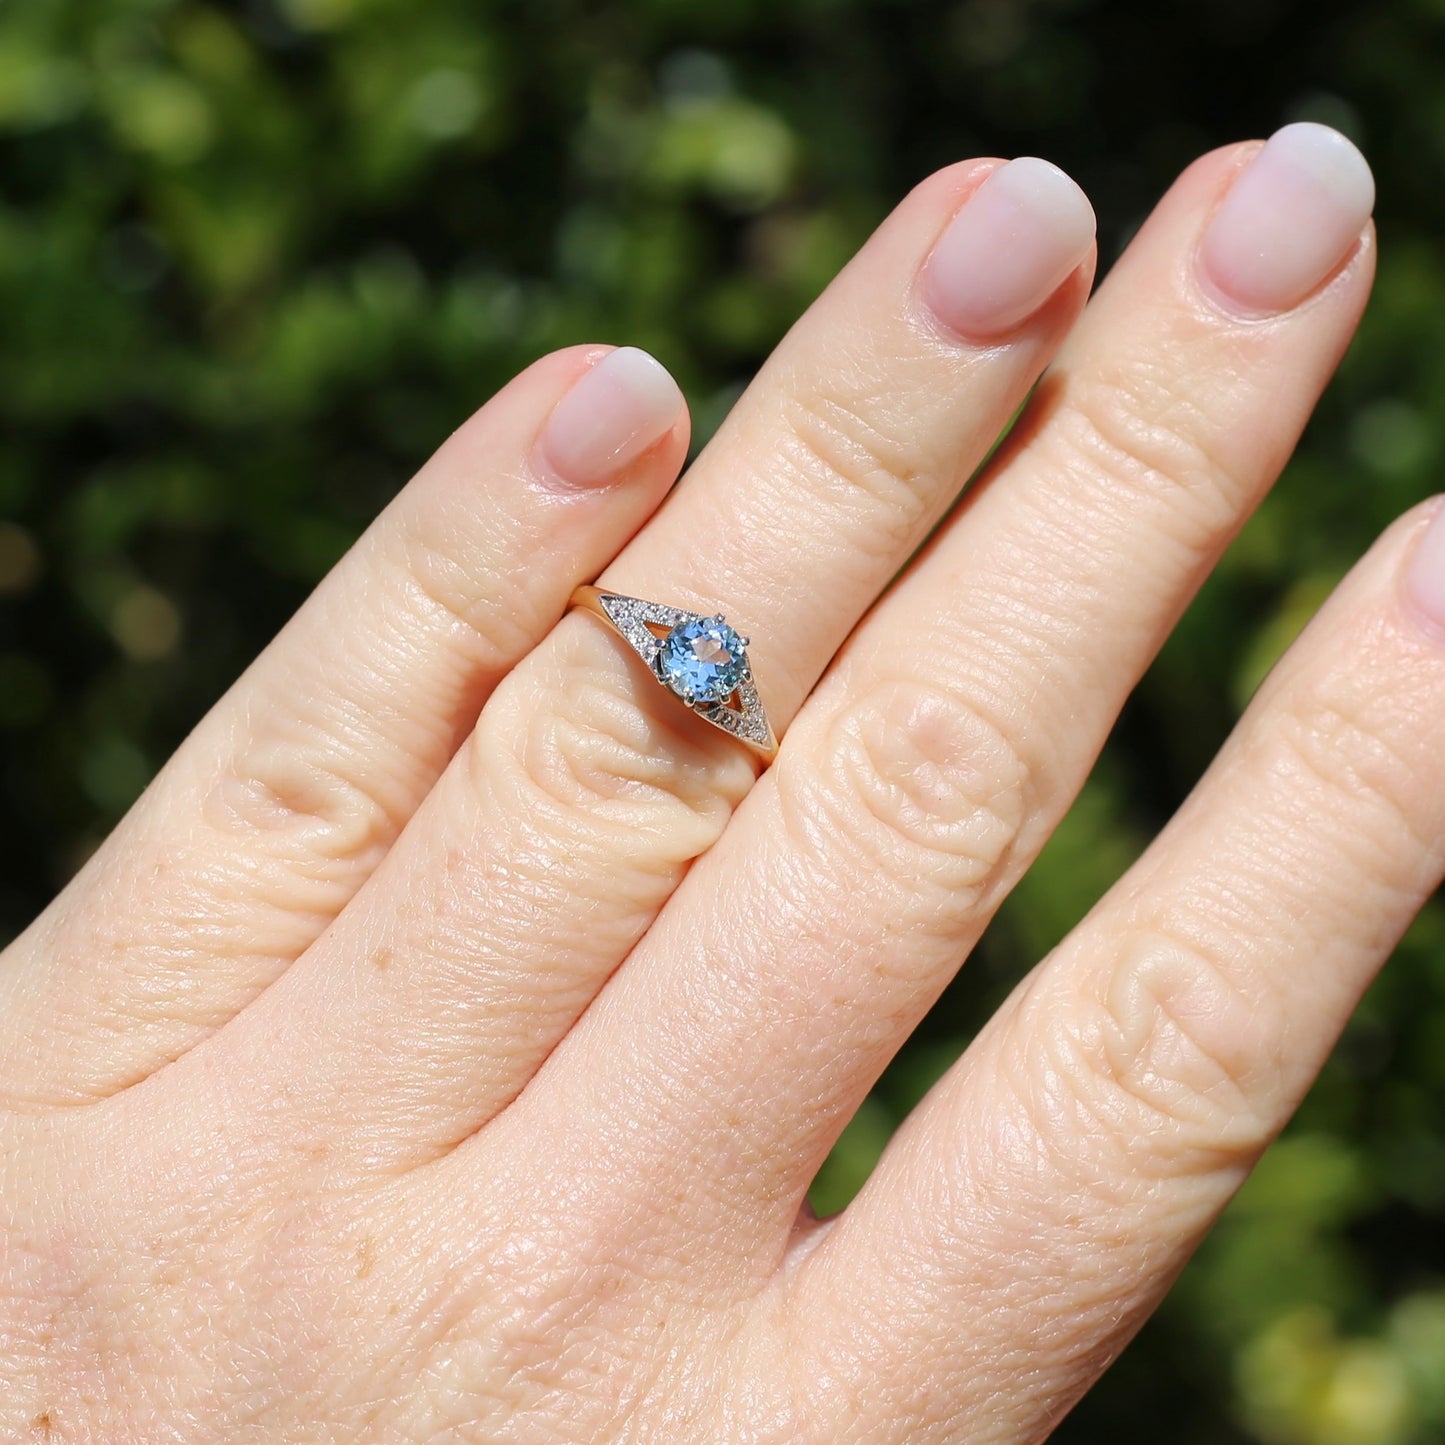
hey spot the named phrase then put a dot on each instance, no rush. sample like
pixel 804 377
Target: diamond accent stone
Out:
pixel 749 723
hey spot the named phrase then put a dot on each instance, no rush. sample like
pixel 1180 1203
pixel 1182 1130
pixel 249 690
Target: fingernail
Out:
pixel 1290 218
pixel 1009 249
pixel 614 412
pixel 1425 574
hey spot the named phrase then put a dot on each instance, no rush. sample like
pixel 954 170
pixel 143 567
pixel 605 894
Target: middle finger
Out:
pixel 548 847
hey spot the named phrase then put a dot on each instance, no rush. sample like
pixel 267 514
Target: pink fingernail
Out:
pixel 1009 249
pixel 1291 217
pixel 614 412
pixel 1425 574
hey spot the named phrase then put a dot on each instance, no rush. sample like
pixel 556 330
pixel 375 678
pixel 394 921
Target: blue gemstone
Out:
pixel 702 661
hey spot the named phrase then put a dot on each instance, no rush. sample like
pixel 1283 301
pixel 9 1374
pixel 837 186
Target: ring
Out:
pixel 700 660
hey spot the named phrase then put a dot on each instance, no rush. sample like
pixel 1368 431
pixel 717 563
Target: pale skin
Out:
pixel 442 1048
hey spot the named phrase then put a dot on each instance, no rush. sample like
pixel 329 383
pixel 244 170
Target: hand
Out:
pixel 442 1048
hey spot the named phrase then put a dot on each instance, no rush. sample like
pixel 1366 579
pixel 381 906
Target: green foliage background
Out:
pixel 256 261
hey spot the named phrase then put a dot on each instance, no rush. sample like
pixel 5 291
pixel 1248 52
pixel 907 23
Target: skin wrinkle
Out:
pixel 1172 1035
pixel 149 980
pixel 451 704
pixel 405 634
pixel 1135 430
pixel 948 834
pixel 442 586
pixel 1104 1144
pixel 840 449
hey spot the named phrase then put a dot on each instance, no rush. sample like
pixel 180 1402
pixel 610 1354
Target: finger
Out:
pixel 1053 1185
pixel 292 789
pixel 586 789
pixel 931 765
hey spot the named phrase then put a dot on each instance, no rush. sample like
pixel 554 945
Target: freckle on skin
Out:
pixel 365 1258
pixel 383 958
pixel 43 1423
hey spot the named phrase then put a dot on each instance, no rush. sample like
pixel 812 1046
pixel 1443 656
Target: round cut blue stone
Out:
pixel 702 661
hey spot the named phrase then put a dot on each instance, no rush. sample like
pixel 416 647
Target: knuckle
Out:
pixel 1135 425
pixel 923 789
pixel 1172 1053
pixel 442 582
pixel 281 787
pixel 831 437
pixel 581 754
pixel 1339 741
